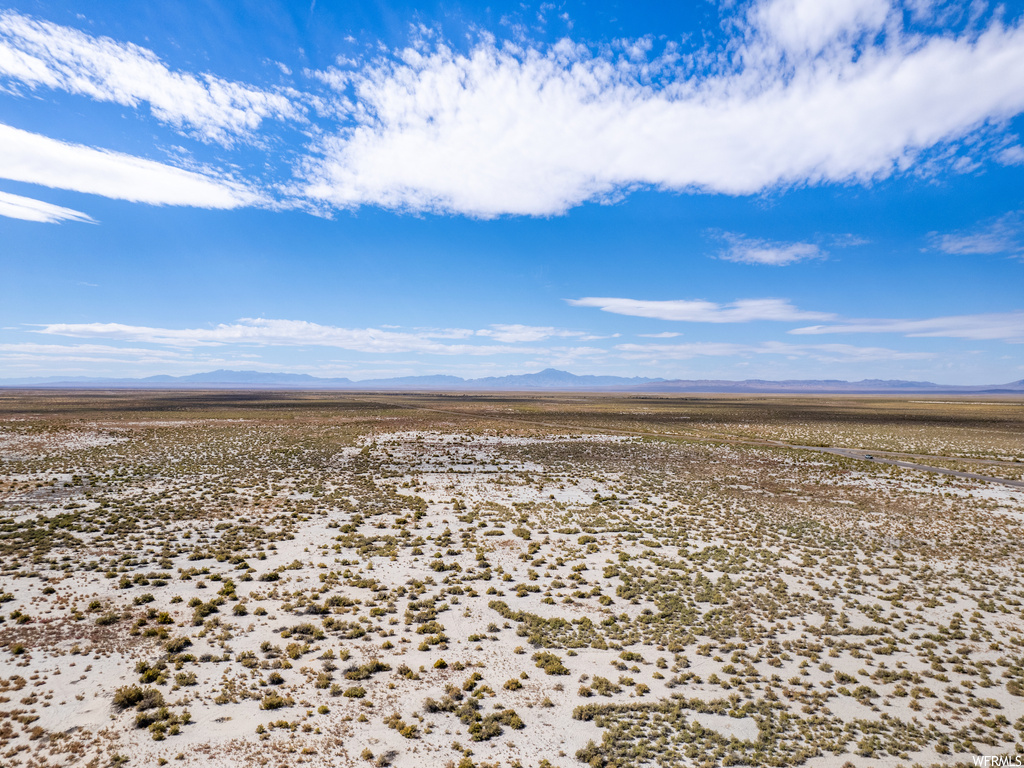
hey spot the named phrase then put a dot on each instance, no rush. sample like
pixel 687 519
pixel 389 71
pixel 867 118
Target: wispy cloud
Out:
pixel 1005 326
pixel 266 332
pixel 37 159
pixel 514 333
pixel 747 250
pixel 111 360
pixel 91 353
pixel 30 209
pixel 1003 235
pixel 700 311
pixel 822 353
pixel 37 53
pixel 1012 155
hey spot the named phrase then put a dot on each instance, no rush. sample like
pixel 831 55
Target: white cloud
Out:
pixel 30 209
pixel 36 159
pixel 800 92
pixel 1005 326
pixel 847 240
pixel 808 26
pixel 108 360
pixel 699 311
pixel 80 353
pixel 822 353
pixel 263 332
pixel 746 250
pixel 1004 235
pixel 41 54
pixel 662 335
pixel 513 334
pixel 1012 155
pixel 507 129
pixel 250 332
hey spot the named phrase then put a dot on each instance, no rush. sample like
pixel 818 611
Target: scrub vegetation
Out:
pixel 258 578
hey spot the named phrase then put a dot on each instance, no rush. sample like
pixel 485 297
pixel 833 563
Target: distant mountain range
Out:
pixel 551 380
pixel 825 386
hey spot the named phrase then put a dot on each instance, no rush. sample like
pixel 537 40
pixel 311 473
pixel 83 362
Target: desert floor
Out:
pixel 281 579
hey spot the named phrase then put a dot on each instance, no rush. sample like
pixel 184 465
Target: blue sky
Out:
pixel 768 189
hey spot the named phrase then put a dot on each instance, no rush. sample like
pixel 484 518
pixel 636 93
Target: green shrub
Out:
pixel 366 670
pixel 550 663
pixel 127 696
pixel 274 700
pixel 141 698
pixel 177 644
pixel 201 611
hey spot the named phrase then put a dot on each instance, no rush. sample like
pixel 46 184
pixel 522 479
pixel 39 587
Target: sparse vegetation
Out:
pixel 696 594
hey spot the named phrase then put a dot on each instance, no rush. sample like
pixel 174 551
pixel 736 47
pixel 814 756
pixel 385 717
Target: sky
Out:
pixel 758 189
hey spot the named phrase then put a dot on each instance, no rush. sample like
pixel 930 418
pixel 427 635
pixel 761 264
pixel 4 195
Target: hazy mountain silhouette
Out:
pixel 550 379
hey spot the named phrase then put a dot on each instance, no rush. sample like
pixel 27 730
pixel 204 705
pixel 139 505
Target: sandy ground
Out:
pixel 710 604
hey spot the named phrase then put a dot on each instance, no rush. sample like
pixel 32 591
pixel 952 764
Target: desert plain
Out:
pixel 365 579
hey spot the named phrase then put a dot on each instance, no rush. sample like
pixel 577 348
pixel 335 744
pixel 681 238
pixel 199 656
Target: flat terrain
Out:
pixel 323 579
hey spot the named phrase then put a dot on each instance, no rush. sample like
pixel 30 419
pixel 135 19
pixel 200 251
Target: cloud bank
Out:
pixel 237 341
pixel 269 332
